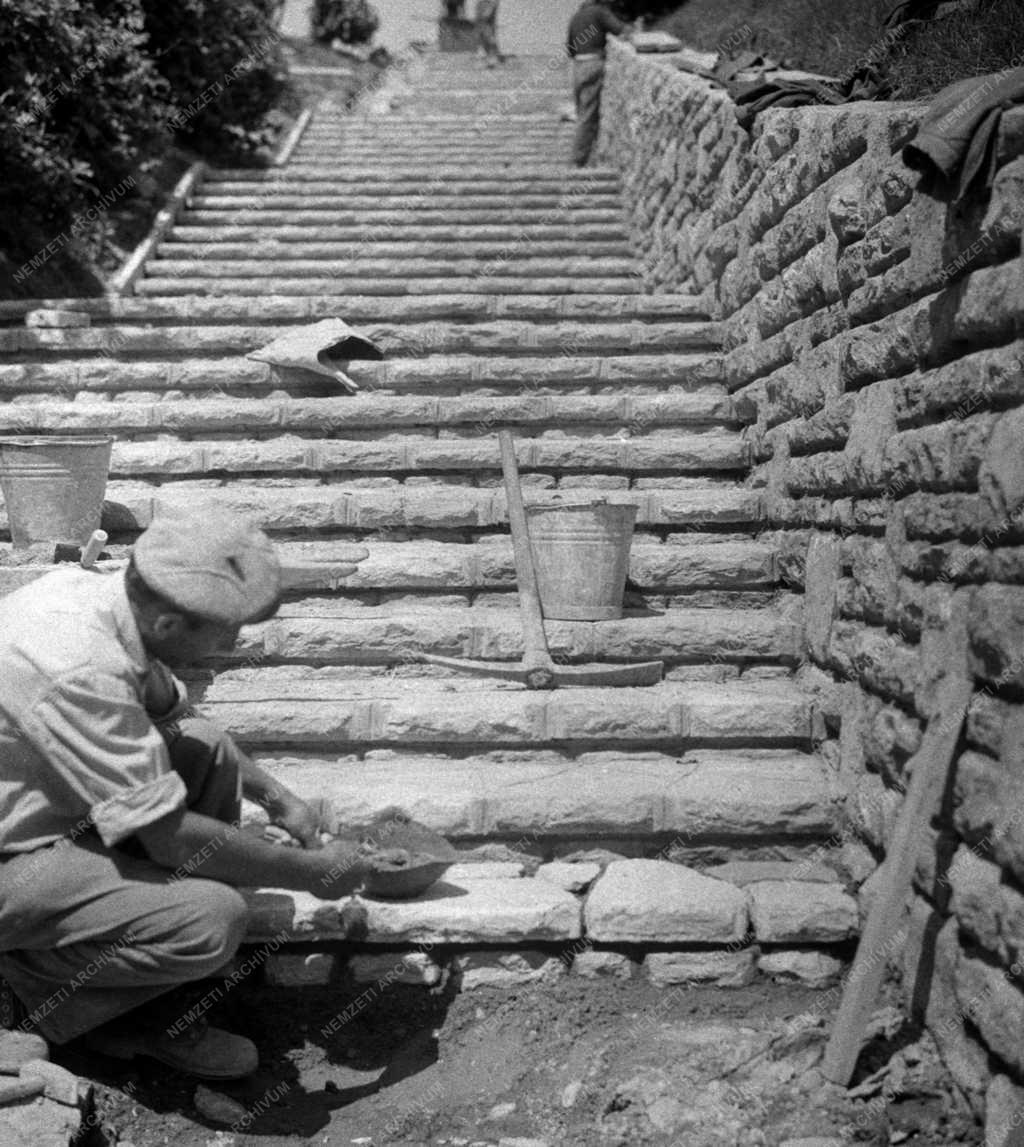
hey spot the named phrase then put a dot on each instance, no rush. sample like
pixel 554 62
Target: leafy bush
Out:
pixel 223 63
pixel 80 102
pixel 351 21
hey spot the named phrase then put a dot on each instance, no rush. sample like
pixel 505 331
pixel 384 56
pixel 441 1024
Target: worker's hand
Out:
pixel 343 869
pixel 295 816
pixel 160 692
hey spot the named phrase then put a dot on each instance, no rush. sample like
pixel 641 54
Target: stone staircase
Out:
pixel 500 283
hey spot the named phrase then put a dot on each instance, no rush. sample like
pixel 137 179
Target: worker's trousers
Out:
pixel 88 933
pixel 587 79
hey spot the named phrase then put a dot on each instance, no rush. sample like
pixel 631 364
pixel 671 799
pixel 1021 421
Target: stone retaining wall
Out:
pixel 873 341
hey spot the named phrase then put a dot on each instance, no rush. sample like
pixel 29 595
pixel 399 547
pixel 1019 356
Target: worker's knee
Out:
pixel 214 923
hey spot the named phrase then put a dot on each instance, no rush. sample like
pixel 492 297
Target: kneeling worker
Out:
pixel 120 855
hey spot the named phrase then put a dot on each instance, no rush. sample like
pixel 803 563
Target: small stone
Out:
pixel 395 968
pixel 501 1110
pixel 518 1141
pixel 217 1108
pixel 813 969
pixel 571 1092
pixel 814 1141
pixel 297 970
pixel 723 969
pixel 571 877
pixel 744 872
pixel 507 969
pixel 593 964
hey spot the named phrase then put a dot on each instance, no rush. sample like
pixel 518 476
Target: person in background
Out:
pixel 591 25
pixel 487 30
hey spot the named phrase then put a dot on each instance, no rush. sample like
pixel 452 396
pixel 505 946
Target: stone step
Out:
pixel 436 373
pixel 280 707
pixel 428 178
pixel 441 509
pixel 371 416
pixel 399 456
pixel 541 153
pixel 699 797
pixel 257 285
pixel 502 337
pixel 393 191
pixel 524 121
pixel 364 266
pixel 446 306
pixel 689 564
pixel 364 199
pixel 498 233
pixel 258 211
pixel 324 631
pixel 631 903
pixel 514 248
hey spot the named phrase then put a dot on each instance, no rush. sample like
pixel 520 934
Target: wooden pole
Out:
pixel 928 770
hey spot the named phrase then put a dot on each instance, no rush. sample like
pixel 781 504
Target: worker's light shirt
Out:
pixel 77 747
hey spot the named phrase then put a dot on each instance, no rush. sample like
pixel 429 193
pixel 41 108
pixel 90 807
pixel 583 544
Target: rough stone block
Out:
pixel 812 969
pixel 654 901
pixel 721 969
pixel 593 965
pixel 299 970
pixel 794 911
pixel 571 877
pixel 507 969
pixel 993 1000
pixel 1004 1113
pixel 395 968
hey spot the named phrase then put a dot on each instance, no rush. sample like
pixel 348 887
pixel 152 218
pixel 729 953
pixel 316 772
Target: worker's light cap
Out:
pixel 213 564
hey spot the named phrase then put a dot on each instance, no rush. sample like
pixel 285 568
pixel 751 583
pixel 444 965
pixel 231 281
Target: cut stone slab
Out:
pixel 791 910
pixel 395 968
pixel 282 709
pixel 507 969
pixel 593 965
pixel 813 969
pixel 658 902
pixel 744 872
pixel 720 969
pixel 477 911
pixel 571 877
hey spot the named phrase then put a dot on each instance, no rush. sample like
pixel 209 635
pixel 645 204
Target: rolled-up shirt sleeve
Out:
pixel 106 756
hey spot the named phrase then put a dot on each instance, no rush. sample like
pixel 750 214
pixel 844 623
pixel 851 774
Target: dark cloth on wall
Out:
pixel 589 28
pixel 957 136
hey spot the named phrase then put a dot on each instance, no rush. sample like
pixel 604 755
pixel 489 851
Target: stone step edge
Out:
pixel 397 287
pixel 676 906
pixel 291 308
pixel 431 416
pixel 439 566
pixel 546 799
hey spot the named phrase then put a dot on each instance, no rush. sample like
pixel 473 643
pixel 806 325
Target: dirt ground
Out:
pixel 573 1063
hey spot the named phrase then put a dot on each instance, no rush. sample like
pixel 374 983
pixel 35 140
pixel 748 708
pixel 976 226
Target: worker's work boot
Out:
pixel 200 1050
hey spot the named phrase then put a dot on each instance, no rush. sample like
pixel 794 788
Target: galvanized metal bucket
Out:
pixel 581 554
pixel 53 487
